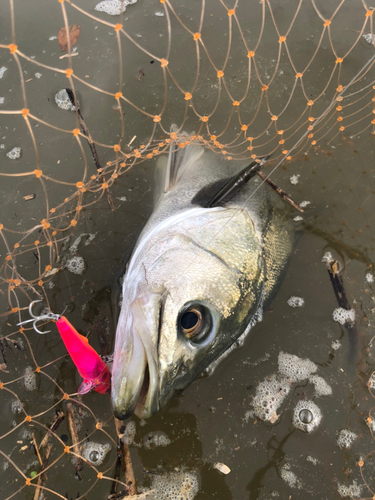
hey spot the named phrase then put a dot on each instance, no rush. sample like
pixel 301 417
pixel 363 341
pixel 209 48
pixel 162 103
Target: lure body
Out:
pixel 90 366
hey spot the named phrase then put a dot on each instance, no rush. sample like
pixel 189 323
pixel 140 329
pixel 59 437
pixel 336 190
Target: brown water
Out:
pixel 209 422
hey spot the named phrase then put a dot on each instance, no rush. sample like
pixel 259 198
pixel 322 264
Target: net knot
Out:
pixel 220 74
pixel 197 36
pixel 118 95
pixel 361 463
pixel 100 475
pixel 157 118
pixel 231 12
pixel 12 47
pixel 28 481
pixel 163 63
pixel 204 119
pixel 45 224
pixel 118 27
pixel 188 96
pixel 25 112
pixel 339 60
pixel 264 87
pixel 98 425
pixel 236 103
pixel 282 39
pixel 326 23
pixel 244 128
pixel 69 72
pixel 343 128
pixel 274 118
pixel 38 173
pixel 28 418
pixel 339 108
pixel 66 396
pixel 299 75
pixel 117 148
pixel 369 13
pixel 76 132
pixel 251 53
pixel 66 449
pixel 310 103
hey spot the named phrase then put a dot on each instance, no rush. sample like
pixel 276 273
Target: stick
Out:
pixel 42 478
pixel 58 418
pixel 126 460
pixel 279 191
pixel 91 144
pixel 333 269
pixel 75 439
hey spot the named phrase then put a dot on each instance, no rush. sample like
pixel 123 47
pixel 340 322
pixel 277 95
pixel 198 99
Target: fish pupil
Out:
pixel 189 320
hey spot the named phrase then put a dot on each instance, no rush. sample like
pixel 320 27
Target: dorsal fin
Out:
pixel 232 186
pixel 170 170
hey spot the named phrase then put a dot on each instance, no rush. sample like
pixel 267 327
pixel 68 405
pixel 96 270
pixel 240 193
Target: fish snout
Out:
pixel 135 382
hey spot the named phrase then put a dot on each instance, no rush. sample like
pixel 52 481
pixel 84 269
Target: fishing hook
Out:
pixel 44 317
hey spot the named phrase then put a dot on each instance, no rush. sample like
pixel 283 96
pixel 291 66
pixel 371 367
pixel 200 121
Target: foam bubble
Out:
pixel 269 396
pixel 294 179
pixel 336 345
pixel 289 477
pixel 306 416
pixel 87 239
pixel 371 381
pixel 63 101
pixel 113 7
pixel 182 485
pixel 345 438
pixel 320 385
pixel 3 69
pixel 343 316
pixel 294 368
pixel 29 380
pixel 2 100
pixel 38 75
pixel 296 301
pixel 16 406
pixel 369 38
pixel 304 204
pixel 154 440
pixel 369 278
pixel 129 433
pixel 351 490
pixel 298 218
pixel 15 153
pixel 95 452
pixel 75 265
pixel 327 257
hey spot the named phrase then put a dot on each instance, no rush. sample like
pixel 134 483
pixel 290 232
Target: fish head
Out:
pixel 187 297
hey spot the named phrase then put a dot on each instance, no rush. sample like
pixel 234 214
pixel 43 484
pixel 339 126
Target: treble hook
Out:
pixel 44 317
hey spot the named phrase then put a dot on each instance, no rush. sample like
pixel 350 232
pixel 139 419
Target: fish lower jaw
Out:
pixel 144 407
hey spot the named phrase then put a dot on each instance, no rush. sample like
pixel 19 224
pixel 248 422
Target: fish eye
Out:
pixel 195 323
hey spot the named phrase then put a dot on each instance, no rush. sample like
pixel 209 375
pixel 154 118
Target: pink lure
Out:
pixel 90 366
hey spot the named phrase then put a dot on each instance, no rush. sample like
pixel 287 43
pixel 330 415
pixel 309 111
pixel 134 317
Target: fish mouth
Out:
pixel 135 377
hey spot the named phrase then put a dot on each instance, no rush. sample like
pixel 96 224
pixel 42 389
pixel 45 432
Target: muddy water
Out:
pixel 210 422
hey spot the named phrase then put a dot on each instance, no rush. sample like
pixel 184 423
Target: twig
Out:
pixel 37 449
pixel 91 144
pixel 75 439
pixel 57 419
pixel 279 191
pixel 42 478
pixel 126 461
pixel 333 269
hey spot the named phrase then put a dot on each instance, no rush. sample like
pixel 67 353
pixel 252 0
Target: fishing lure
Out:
pixel 90 366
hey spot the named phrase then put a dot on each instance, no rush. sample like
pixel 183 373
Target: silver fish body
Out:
pixel 197 280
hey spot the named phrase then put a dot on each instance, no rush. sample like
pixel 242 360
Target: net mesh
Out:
pixel 251 79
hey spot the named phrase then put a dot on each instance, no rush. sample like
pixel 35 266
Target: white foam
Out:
pixel 95 452
pixel 369 278
pixel 294 368
pixel 269 396
pixel 29 380
pixel 320 385
pixel 129 433
pixel 298 218
pixel 289 477
pixel 371 381
pixel 88 237
pixel 113 7
pixel 15 153
pixel 327 257
pixel 3 69
pixel 16 406
pixel 2 100
pixel 316 416
pixel 369 38
pixel 345 438
pixel 296 301
pixel 155 440
pixel 75 265
pixel 343 316
pixel 181 485
pixel 294 179
pixel 63 102
pixel 336 345
pixel 352 490
pixel 304 203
